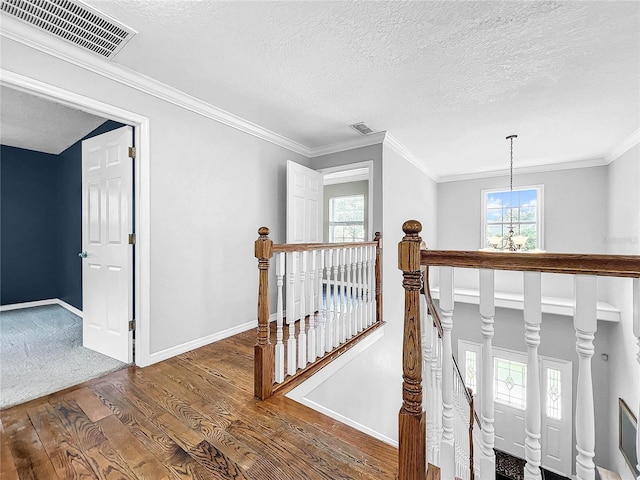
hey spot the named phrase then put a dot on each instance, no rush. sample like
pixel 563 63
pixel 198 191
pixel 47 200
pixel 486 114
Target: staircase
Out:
pixel 439 436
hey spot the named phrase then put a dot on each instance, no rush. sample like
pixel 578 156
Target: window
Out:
pixel 510 382
pixel 470 370
pixel 554 394
pixel 346 219
pixel 521 208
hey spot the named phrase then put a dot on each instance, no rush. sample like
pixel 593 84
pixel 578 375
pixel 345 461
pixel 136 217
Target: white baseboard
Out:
pixel 299 394
pixel 198 342
pixel 347 421
pixel 39 303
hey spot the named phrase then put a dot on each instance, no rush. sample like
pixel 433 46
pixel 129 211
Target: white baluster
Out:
pixel 437 396
pixel 279 349
pixel 447 454
pixel 337 318
pixel 302 336
pixel 328 259
pixel 371 263
pixel 636 333
pixel 291 313
pixel 361 307
pixel 343 299
pixel 347 266
pixel 311 332
pixel 322 308
pixel 532 322
pixel 585 324
pixel 426 331
pixel 354 293
pixel 487 314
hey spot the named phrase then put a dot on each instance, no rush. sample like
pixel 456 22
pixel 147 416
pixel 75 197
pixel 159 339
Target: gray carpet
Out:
pixel 41 352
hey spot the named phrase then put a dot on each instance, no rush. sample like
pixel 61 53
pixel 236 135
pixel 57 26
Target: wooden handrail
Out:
pixel 265 352
pixel 306 247
pixel 570 263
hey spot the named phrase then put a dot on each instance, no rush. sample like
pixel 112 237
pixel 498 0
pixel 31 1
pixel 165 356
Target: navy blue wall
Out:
pixel 29 242
pixel 41 223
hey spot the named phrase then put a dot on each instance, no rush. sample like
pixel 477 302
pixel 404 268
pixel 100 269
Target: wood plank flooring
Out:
pixel 190 417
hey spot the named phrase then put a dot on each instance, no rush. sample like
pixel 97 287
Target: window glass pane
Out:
pixel 518 209
pixel 554 394
pixel 470 370
pixel 510 383
pixel 346 219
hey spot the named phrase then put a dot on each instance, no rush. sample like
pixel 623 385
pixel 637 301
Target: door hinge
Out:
pixel 132 239
pixel 132 325
pixel 132 152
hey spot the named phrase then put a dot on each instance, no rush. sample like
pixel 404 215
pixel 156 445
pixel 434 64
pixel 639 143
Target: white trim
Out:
pixel 299 393
pixel 59 49
pixel 408 156
pixel 549 167
pixel 346 176
pixel 629 142
pixel 71 308
pixel 35 303
pixel 39 303
pixel 347 421
pixel 142 189
pixel 45 43
pixel 200 342
pixel 553 305
pixel 357 142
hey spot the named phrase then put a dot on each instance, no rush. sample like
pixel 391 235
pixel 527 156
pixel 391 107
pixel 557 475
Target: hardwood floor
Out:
pixel 190 417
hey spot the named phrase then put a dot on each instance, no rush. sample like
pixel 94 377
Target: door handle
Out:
pixel 83 254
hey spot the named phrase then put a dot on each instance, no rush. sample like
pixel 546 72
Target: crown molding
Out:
pixel 401 150
pixel 629 142
pixel 357 142
pixel 42 42
pixel 549 167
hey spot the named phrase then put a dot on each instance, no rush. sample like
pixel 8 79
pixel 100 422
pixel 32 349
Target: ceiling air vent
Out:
pixel 361 128
pixel 74 22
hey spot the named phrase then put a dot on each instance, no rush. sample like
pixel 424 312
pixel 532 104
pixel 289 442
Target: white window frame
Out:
pixel 347 223
pixel 539 213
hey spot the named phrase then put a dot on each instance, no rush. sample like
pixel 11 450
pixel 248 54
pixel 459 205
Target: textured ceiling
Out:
pixel 33 123
pixel 448 80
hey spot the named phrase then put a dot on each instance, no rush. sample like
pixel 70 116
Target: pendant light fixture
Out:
pixel 511 242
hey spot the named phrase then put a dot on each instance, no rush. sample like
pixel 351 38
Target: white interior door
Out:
pixel 107 284
pixel 304 204
pixel 304 217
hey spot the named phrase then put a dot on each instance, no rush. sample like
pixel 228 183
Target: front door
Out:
pixel 107 221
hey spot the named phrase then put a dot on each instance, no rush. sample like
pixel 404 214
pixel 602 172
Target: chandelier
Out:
pixel 510 242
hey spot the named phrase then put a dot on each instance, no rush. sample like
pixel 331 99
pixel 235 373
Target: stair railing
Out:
pixel 463 414
pixel 333 297
pixel 584 268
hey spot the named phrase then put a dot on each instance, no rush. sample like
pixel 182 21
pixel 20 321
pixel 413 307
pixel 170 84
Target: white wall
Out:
pixel 623 237
pixel 574 218
pixel 211 187
pixel 368 389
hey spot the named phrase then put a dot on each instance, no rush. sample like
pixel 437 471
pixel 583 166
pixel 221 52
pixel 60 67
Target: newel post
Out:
pixel 378 238
pixel 411 438
pixel 263 363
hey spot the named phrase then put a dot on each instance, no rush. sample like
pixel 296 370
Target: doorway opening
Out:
pixel 140 265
